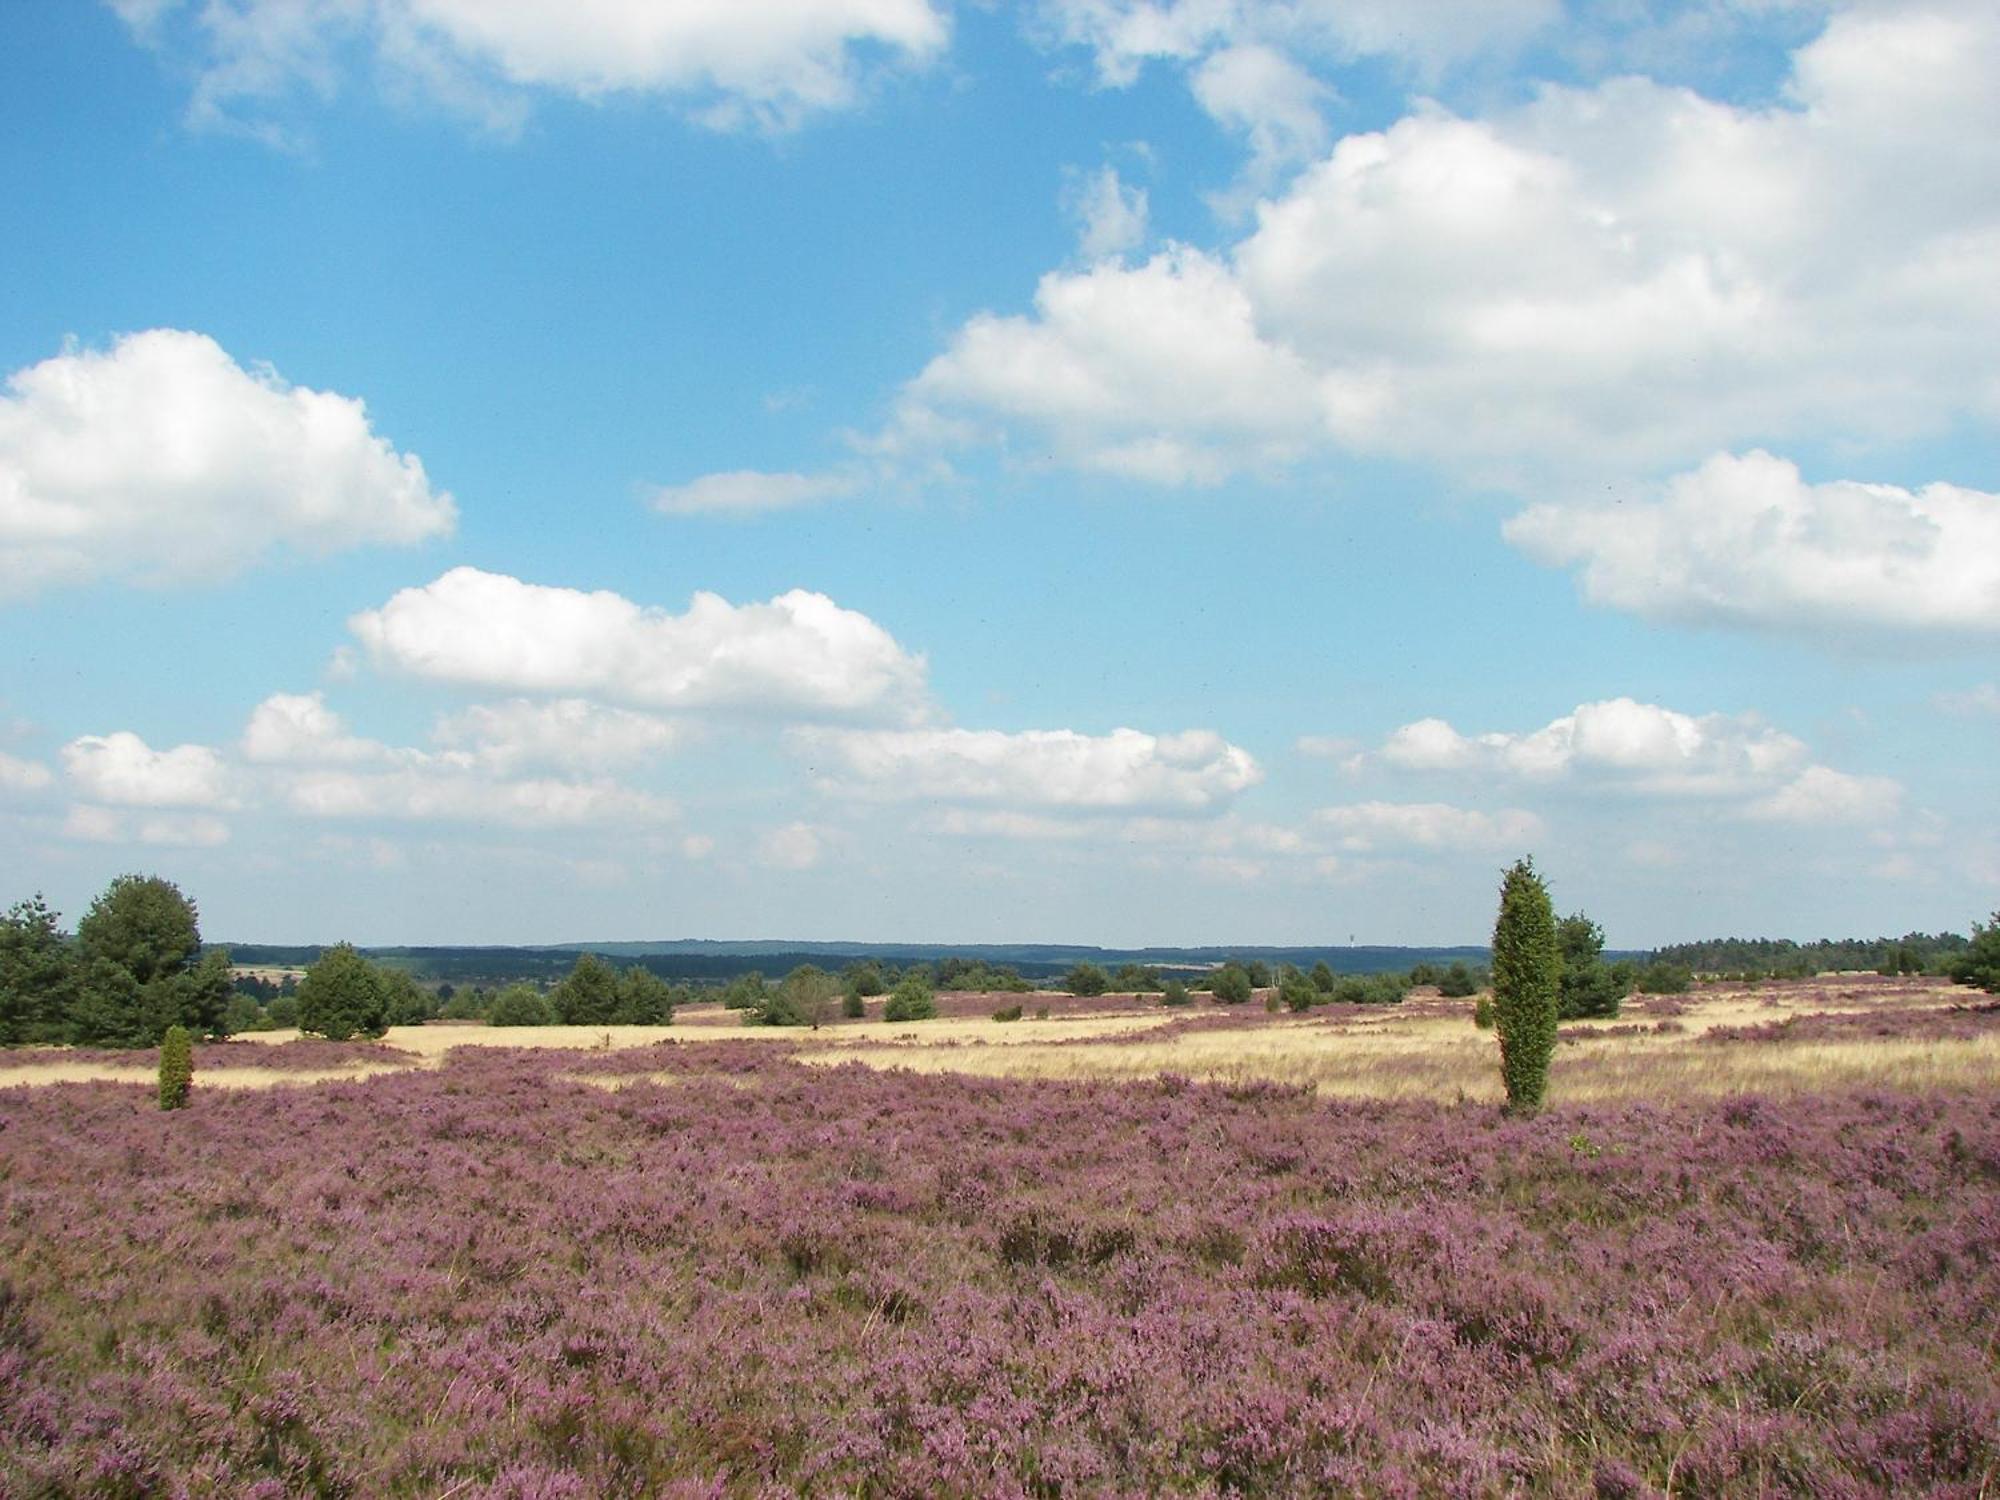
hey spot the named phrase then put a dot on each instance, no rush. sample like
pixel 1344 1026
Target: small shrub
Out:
pixel 176 1067
pixel 521 1005
pixel 912 1000
pixel 852 1005
pixel 1007 1013
pixel 1482 1013
pixel 1457 982
pixel 1230 985
pixel 1175 993
pixel 1041 1012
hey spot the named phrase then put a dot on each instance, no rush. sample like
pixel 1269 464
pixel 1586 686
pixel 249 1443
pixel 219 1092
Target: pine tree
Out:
pixel 1527 974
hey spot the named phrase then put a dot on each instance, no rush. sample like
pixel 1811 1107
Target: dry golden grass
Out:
pixel 60 1070
pixel 1399 1055
pixel 1424 1051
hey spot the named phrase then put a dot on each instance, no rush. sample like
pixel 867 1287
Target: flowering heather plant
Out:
pixel 756 1278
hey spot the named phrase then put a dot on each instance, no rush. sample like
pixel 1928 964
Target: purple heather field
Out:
pixel 744 1276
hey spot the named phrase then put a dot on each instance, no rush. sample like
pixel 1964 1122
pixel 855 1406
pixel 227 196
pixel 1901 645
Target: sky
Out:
pixel 1103 471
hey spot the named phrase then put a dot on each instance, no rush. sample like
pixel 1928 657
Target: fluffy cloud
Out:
pixel 299 729
pixel 1155 372
pixel 744 492
pixel 1745 540
pixel 1110 217
pixel 124 770
pixel 769 63
pixel 801 653
pixel 1627 276
pixel 568 732
pixel 442 792
pixel 312 765
pixel 17 775
pixel 104 825
pixel 1364 827
pixel 1822 795
pixel 1640 745
pixel 1193 772
pixel 164 461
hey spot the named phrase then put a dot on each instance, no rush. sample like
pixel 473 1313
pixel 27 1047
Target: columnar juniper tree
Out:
pixel 176 1067
pixel 1527 974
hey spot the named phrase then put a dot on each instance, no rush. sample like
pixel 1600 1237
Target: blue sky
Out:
pixel 1124 471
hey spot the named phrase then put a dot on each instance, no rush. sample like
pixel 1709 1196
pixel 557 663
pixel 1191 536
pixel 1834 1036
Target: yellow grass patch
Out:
pixel 59 1070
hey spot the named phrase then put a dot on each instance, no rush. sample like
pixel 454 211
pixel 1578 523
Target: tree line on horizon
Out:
pixel 136 966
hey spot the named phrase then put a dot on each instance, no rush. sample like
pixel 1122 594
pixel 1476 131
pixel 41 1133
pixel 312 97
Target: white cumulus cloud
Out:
pixel 795 846
pixel 1037 769
pixel 124 770
pixel 163 461
pixel 766 63
pixel 1746 540
pixel 800 653
pixel 1820 794
pixel 1110 215
pixel 298 728
pixel 1625 277
pixel 1619 741
pixel 565 732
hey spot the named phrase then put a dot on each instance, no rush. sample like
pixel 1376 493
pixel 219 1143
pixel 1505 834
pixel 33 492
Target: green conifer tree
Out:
pixel 1527 976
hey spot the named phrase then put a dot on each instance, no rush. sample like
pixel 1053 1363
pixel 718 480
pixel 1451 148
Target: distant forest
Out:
pixel 716 962
pixel 699 961
pixel 1913 953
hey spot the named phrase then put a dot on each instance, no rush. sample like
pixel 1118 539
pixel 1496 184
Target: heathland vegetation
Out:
pixel 873 1231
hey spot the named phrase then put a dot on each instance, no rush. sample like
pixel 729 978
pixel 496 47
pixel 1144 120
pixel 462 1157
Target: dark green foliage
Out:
pixel 176 1067
pixel 1979 965
pixel 810 993
pixel 409 1004
pixel 911 1001
pixel 956 973
pixel 1230 985
pixel 1755 958
pixel 644 999
pixel 864 978
pixel 805 997
pixel 38 975
pixel 1664 979
pixel 144 925
pixel 1370 989
pixel 1424 973
pixel 1008 1013
pixel 1457 982
pixel 521 1005
pixel 746 992
pixel 142 968
pixel 852 1005
pixel 1136 979
pixel 244 1014
pixel 1527 979
pixel 1322 978
pixel 1259 972
pixel 1175 993
pixel 1297 992
pixel 1482 1013
pixel 343 995
pixel 283 1012
pixel 1086 979
pixel 588 994
pixel 1590 986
